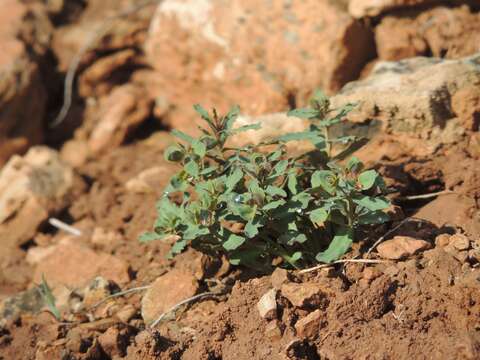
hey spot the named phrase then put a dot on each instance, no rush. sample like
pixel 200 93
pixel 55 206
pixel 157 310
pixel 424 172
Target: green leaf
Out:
pixel 150 236
pixel 301 200
pixel 191 168
pixel 194 231
pixel 299 136
pixel 199 148
pixel 174 154
pixel 182 135
pixel 233 179
pixel 275 191
pixel 291 237
pixel 320 101
pixel 234 242
pixel 292 183
pixel 251 228
pixel 48 298
pixel 177 248
pixel 325 179
pixel 354 164
pixel 338 247
pixel 202 112
pixel 243 128
pixel 319 216
pixel 372 203
pixel 373 218
pixel 304 113
pixel 279 169
pixel 367 179
pixel 231 117
pixel 273 205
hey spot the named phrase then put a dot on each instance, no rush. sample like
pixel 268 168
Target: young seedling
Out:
pixel 48 298
pixel 258 207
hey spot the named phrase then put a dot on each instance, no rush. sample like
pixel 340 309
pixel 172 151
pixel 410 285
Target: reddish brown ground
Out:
pixel 424 307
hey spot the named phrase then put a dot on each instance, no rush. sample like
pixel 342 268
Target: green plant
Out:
pixel 48 298
pixel 257 207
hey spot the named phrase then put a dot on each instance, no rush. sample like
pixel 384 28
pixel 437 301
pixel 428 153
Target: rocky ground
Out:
pixel 412 66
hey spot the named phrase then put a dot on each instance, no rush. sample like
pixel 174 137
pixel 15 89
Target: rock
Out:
pixel 105 238
pixel 370 274
pixel 460 242
pixel 86 18
pixel 75 265
pixel 221 53
pixel 35 255
pixel 401 247
pixel 309 326
pixel 279 277
pixel 273 330
pixel 457 209
pixel 126 313
pixel 440 31
pixel 364 8
pixel 121 112
pixel 305 294
pixel 95 80
pixel 272 126
pixel 167 291
pixel 24 34
pixel 75 152
pixel 26 302
pixel 111 342
pixel 466 104
pixel 412 99
pixel 150 180
pixel 98 289
pixel 31 188
pixel 267 305
pixel 442 240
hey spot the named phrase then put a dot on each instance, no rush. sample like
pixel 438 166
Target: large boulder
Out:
pixel 263 55
pixel 417 99
pixel 440 31
pixel 24 36
pixel 31 188
pixel 367 8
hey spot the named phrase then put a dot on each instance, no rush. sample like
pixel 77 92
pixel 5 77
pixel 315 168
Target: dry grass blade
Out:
pixel 361 261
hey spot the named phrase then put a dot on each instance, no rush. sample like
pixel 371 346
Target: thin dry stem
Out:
pixel 361 261
pixel 428 196
pixel 121 293
pixel 181 303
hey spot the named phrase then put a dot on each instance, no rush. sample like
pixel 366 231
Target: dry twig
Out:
pixel 343 261
pixel 181 303
pixel 118 294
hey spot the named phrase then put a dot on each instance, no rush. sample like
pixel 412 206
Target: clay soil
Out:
pixel 426 306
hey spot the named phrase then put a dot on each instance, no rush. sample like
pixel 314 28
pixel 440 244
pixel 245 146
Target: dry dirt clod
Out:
pixel 75 265
pixel 279 277
pixel 167 291
pixel 267 305
pixel 401 247
pixel 31 188
pixel 460 242
pixel 273 330
pixel 304 295
pixel 126 313
pixel 309 325
pixel 442 240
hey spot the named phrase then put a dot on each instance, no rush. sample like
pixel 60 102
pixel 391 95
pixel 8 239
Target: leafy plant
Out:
pixel 258 205
pixel 48 298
